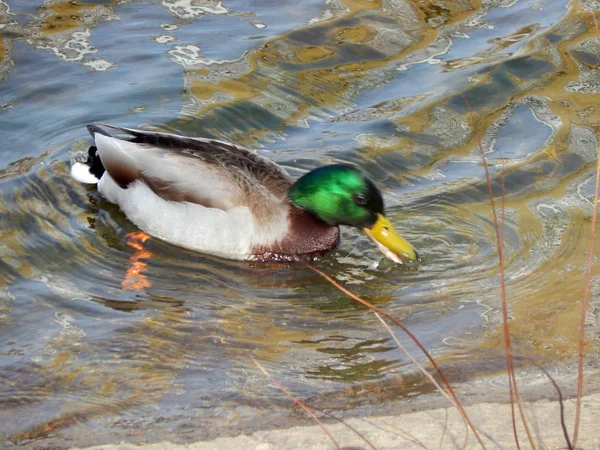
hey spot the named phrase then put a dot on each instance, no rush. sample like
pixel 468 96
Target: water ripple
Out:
pixel 115 331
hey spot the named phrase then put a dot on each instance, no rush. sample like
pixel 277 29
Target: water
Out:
pixel 93 353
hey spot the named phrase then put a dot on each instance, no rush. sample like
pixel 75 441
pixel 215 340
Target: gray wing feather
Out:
pixel 205 171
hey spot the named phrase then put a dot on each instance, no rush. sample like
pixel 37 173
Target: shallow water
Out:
pixel 92 350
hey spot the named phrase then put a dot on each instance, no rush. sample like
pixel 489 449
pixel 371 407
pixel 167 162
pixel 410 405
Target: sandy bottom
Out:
pixel 419 430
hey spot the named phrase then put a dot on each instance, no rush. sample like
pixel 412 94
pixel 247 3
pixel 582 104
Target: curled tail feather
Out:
pixel 91 170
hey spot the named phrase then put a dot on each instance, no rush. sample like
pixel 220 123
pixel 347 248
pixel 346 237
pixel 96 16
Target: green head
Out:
pixel 344 195
pixel 338 195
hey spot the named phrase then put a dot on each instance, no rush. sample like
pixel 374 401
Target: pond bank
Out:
pixel 418 430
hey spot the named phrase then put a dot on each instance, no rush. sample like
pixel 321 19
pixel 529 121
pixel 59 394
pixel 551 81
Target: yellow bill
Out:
pixel 389 242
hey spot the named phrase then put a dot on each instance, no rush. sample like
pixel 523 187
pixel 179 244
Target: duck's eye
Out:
pixel 360 199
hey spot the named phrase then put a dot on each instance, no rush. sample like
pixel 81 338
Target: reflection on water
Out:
pixel 104 330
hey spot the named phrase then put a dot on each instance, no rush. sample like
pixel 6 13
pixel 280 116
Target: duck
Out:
pixel 223 199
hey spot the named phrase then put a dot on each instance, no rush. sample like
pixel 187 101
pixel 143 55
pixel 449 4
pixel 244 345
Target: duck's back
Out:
pixel 208 172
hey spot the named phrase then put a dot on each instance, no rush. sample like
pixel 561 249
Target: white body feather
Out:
pixel 230 230
pixel 230 234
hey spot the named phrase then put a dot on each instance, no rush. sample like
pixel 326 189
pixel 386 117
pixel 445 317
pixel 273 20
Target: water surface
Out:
pixel 93 354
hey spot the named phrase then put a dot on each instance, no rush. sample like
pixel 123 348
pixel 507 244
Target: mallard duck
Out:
pixel 218 198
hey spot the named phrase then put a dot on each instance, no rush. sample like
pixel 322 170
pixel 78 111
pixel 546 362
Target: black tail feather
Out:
pixel 93 160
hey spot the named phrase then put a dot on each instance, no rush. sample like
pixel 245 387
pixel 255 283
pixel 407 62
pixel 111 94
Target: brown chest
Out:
pixel 308 238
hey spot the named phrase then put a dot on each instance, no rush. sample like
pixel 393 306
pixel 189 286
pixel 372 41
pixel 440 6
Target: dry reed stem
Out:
pixel 586 294
pixel 297 401
pixel 355 297
pixel 562 407
pixel 350 427
pixel 398 431
pixel 422 369
pixel 512 380
pixel 405 433
pixel 444 429
pixel 503 203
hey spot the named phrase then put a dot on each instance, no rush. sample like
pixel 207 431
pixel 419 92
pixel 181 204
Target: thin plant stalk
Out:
pixel 512 380
pixel 347 425
pixel 444 429
pixel 405 433
pixel 435 365
pixel 298 402
pixel 398 431
pixel 422 369
pixel 586 294
pixel 503 203
pixel 562 408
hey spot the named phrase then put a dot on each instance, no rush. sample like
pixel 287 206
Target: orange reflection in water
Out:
pixel 134 278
